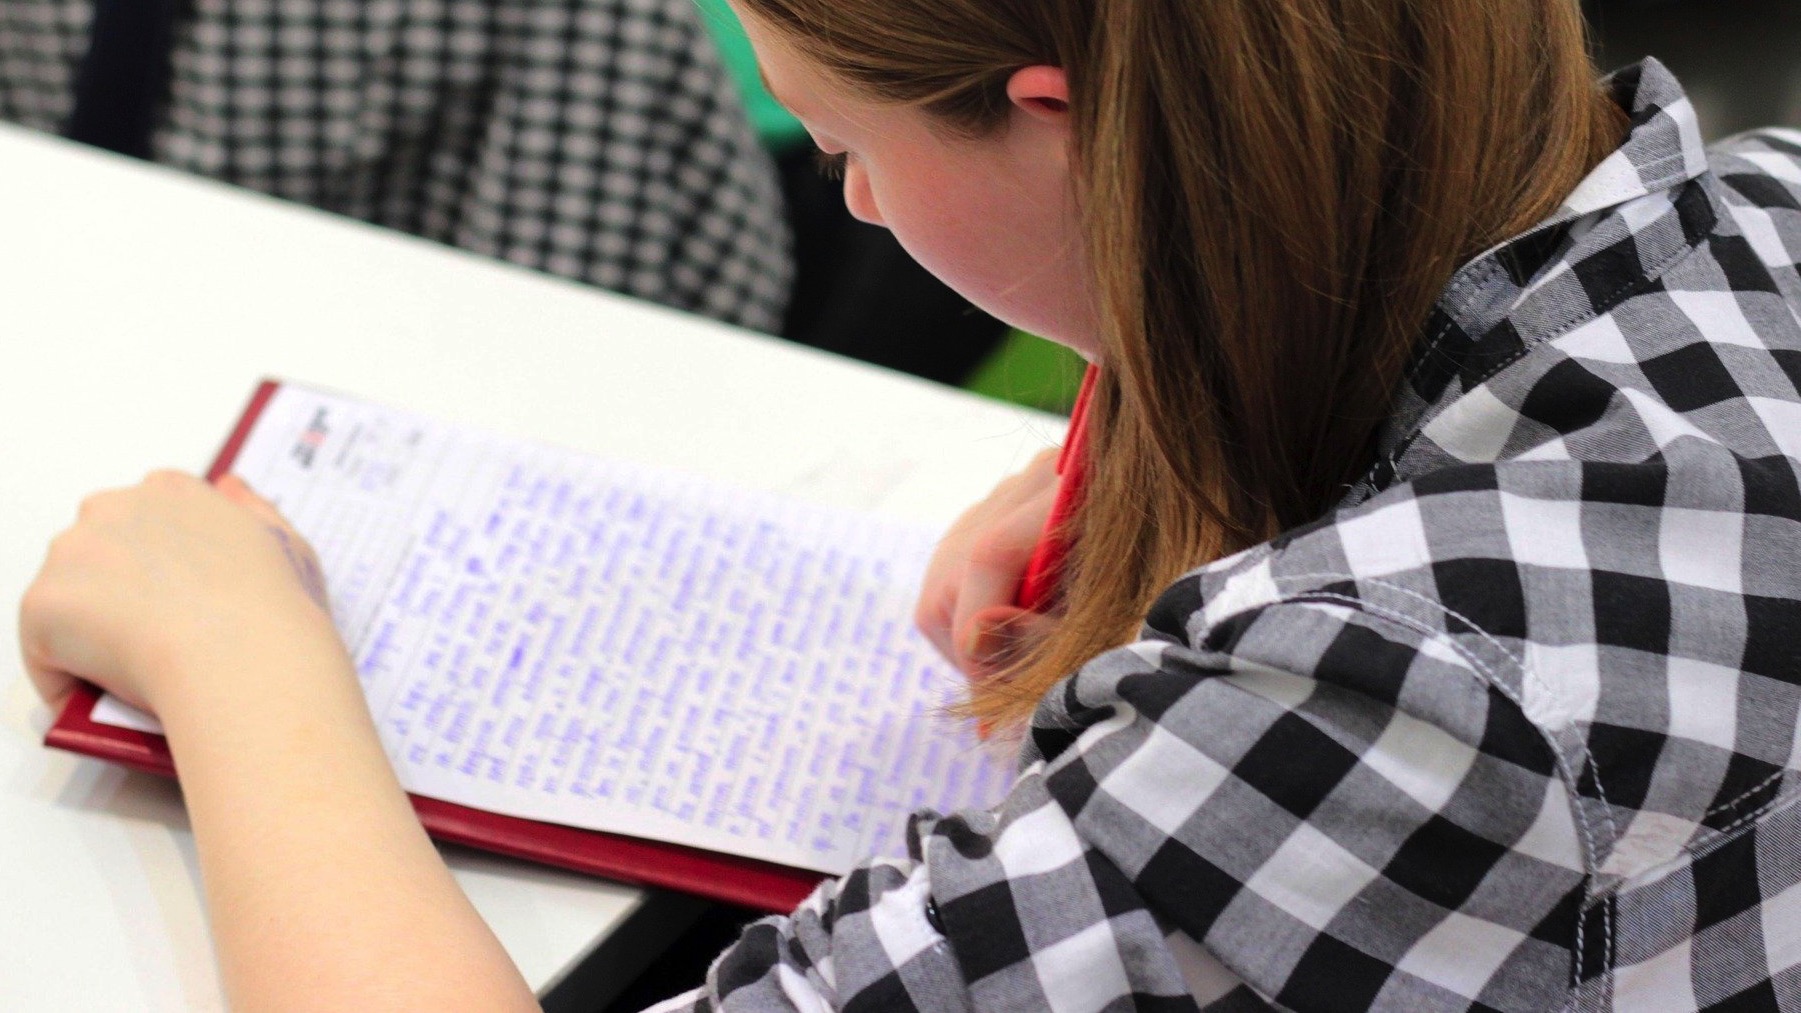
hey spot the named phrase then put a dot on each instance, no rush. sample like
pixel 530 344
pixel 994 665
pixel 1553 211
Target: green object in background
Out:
pixel 1031 371
pixel 776 127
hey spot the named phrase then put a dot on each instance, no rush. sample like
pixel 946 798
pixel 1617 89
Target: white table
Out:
pixel 138 308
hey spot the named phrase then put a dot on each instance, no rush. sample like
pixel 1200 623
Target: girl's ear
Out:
pixel 1041 92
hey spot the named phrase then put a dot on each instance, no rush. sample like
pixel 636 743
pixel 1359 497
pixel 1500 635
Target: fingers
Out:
pixel 979 564
pixel 43 678
pixel 944 575
pixel 53 659
pixel 996 563
pixel 54 613
pixel 53 687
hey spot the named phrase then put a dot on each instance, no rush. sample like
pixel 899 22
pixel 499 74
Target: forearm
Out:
pixel 323 890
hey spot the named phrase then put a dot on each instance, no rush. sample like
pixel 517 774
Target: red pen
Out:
pixel 1045 568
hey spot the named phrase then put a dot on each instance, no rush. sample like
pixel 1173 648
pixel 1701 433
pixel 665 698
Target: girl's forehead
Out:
pixel 782 68
pixel 806 88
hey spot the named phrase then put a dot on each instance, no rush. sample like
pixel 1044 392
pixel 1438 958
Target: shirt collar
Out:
pixel 1631 217
pixel 1663 148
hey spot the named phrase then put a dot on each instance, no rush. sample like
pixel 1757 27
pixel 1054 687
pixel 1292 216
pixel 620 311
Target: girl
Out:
pixel 1469 386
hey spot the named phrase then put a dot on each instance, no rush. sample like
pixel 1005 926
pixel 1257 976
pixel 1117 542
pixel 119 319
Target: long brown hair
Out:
pixel 1274 194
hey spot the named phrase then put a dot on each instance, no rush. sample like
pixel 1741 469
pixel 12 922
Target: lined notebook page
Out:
pixel 547 635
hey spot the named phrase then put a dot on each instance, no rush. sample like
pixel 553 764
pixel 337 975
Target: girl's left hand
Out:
pixel 202 605
pixel 153 579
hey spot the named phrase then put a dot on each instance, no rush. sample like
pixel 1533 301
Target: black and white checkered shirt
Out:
pixel 600 140
pixel 1515 728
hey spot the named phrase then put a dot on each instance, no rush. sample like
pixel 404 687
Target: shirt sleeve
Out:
pixel 1335 803
pixel 1001 910
pixel 1317 799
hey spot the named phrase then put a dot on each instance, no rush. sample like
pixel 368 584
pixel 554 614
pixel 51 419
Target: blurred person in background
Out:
pixel 599 142
pixel 604 142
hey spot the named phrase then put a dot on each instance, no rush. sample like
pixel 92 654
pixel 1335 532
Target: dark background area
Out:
pixel 1739 59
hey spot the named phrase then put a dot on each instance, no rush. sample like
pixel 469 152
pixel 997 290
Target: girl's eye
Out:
pixel 831 166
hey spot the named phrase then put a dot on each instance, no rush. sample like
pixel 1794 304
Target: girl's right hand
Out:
pixel 966 604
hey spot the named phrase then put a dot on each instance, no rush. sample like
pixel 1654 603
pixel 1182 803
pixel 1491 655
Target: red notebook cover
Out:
pixel 729 878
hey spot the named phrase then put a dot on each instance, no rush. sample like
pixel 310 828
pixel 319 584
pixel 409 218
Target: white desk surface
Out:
pixel 137 309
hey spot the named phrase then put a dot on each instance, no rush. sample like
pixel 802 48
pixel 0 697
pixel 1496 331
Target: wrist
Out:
pixel 293 665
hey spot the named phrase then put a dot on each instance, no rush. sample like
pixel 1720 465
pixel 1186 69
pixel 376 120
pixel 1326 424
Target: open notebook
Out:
pixel 607 667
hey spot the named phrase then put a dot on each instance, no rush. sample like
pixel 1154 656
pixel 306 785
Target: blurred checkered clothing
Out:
pixel 599 140
pixel 1515 728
